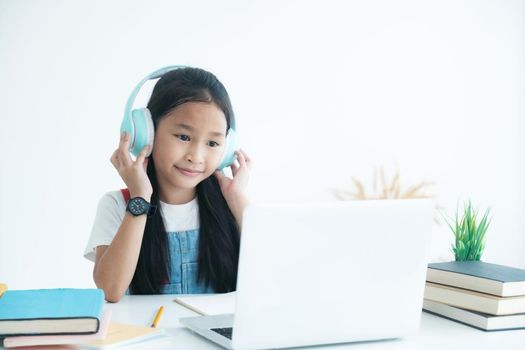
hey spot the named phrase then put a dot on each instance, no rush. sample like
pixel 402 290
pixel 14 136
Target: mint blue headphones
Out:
pixel 138 123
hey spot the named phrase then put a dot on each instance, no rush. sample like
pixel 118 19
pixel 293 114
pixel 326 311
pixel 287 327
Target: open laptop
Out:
pixel 324 273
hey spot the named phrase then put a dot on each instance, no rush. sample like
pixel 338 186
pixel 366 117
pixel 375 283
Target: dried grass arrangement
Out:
pixel 389 189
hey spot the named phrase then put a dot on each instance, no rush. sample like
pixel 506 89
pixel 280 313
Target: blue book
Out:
pixel 500 280
pixel 50 311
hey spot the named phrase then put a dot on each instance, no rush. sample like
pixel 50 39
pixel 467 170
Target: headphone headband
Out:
pixel 156 74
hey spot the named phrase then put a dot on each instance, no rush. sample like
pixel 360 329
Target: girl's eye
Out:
pixel 183 137
pixel 213 144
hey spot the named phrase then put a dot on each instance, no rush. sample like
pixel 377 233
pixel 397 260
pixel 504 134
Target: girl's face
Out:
pixel 188 146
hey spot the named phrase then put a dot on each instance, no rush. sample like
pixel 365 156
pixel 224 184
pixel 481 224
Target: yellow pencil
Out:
pixel 157 317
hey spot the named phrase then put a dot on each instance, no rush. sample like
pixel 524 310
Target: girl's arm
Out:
pixel 233 190
pixel 115 264
pixel 237 206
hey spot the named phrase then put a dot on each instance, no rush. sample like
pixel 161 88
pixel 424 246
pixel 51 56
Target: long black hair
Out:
pixel 219 233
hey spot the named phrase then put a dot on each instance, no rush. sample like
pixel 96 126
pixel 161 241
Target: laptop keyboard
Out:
pixel 225 332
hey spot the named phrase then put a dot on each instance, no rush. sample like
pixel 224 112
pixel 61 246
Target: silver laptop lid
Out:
pixel 331 272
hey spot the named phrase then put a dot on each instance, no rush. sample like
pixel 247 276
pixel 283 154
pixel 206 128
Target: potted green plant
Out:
pixel 469 233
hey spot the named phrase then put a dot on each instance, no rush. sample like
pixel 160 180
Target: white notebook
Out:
pixel 209 304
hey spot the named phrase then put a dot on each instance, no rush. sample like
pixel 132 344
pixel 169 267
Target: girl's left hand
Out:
pixel 233 190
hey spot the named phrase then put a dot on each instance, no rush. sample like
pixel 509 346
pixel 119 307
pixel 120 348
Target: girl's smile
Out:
pixel 189 172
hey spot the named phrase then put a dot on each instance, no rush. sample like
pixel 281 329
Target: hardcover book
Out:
pixel 50 311
pixel 479 276
pixel 476 319
pixel 41 340
pixel 475 301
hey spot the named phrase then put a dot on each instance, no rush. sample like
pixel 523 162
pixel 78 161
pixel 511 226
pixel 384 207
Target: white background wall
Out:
pixel 322 90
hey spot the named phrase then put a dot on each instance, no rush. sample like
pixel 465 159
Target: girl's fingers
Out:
pixel 142 154
pixel 244 160
pixel 245 155
pixel 219 174
pixel 220 177
pixel 123 140
pixel 249 161
pixel 113 155
pixel 141 159
pixel 235 168
pixel 241 158
pixel 123 150
pixel 114 159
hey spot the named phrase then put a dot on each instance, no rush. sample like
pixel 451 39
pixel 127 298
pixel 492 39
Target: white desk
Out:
pixel 435 332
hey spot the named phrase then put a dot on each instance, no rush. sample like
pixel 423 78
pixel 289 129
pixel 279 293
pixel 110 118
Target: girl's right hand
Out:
pixel 132 172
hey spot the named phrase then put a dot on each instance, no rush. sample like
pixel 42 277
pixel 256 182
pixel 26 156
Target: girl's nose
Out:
pixel 195 155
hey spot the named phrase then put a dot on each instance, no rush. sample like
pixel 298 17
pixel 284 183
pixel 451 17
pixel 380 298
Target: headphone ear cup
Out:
pixel 144 130
pixel 228 157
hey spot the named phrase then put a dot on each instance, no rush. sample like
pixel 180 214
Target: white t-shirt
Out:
pixel 112 209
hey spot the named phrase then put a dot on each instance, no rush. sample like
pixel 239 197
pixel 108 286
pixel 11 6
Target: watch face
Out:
pixel 138 206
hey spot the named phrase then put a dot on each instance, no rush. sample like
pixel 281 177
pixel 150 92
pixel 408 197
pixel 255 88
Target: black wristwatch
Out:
pixel 138 206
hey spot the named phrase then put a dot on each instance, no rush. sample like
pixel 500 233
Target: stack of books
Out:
pixel 486 296
pixel 63 316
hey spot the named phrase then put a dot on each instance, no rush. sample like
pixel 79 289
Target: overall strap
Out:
pixel 125 193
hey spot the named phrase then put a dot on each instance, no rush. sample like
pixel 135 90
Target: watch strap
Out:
pixel 152 210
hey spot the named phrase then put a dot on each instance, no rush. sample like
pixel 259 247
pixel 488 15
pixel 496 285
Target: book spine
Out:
pixel 462 300
pixel 460 280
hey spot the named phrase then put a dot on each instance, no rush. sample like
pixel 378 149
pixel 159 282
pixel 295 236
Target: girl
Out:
pixel 190 244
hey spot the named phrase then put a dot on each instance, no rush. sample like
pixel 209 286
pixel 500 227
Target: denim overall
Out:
pixel 184 251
